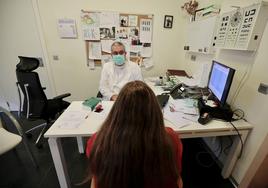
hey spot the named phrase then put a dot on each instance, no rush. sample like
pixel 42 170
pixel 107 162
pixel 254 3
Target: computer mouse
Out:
pixel 204 118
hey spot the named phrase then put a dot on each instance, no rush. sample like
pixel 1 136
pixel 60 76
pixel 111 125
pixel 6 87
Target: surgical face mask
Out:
pixel 119 59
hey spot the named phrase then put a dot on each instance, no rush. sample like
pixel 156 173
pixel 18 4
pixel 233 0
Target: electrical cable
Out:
pixel 202 163
pixel 228 146
pixel 239 113
pixel 211 154
pixel 242 143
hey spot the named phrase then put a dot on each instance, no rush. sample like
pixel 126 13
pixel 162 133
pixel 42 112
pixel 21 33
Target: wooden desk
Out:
pixel 91 124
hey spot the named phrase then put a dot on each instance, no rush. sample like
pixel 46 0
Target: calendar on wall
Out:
pixel 242 29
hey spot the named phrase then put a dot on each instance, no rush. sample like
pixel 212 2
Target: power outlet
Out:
pixel 193 57
pixel 55 57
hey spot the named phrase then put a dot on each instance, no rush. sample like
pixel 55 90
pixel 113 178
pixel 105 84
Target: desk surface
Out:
pixel 87 122
pixel 92 123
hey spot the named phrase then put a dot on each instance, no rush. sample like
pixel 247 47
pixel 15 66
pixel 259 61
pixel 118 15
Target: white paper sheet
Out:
pixel 184 106
pixel 67 28
pixel 72 119
pixel 109 19
pixel 201 75
pixel 136 48
pixel 148 63
pixel 94 50
pixel 189 81
pixel 106 45
pixel 90 23
pixel 91 64
pixel 146 29
pixel 132 20
pixel 176 118
pixel 146 51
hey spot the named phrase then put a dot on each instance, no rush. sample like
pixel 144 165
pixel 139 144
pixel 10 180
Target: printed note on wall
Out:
pixel 109 19
pixel 132 20
pixel 146 30
pixel 106 45
pixel 94 50
pixel 67 28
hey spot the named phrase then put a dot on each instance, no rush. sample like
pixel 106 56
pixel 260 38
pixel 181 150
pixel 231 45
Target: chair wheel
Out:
pixel 39 146
pixel 29 135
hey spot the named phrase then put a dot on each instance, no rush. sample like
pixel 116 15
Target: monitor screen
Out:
pixel 220 81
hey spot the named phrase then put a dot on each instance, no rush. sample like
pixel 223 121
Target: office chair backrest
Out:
pixel 27 64
pixel 30 85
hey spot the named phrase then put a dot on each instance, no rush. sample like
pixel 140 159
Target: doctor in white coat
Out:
pixel 117 73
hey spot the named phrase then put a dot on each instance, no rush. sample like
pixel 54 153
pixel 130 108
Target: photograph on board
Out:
pixel 107 33
pixel 121 33
pixel 123 21
pixel 133 33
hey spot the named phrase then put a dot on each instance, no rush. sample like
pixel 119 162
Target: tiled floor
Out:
pixel 16 169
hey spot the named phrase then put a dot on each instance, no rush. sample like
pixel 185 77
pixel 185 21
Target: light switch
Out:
pixel 55 57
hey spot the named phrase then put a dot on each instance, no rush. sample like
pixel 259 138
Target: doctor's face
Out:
pixel 118 55
pixel 118 50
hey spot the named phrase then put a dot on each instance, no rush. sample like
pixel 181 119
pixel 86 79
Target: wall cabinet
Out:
pixel 200 36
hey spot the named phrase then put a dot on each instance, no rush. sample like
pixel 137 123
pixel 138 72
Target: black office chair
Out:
pixel 35 103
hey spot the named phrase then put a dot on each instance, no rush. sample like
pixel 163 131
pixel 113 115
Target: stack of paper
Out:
pixel 181 112
pixel 72 119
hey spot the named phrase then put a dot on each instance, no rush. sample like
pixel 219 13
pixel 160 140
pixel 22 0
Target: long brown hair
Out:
pixel 132 149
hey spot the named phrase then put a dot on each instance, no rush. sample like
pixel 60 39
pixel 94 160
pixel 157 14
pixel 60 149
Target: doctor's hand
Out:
pixel 113 98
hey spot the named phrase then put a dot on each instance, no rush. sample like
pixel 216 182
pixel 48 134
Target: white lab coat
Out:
pixel 113 77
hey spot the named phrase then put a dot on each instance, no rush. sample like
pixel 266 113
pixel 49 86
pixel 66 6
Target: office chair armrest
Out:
pixel 62 96
pixel 13 120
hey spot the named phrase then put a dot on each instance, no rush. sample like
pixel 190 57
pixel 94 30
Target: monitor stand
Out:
pixel 219 112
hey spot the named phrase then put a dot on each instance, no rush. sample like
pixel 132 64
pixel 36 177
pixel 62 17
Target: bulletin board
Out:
pixel 101 28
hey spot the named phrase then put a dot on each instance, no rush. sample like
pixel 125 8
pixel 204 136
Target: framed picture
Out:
pixel 168 21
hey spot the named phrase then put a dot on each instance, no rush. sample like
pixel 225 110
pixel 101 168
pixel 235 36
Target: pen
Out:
pixel 190 114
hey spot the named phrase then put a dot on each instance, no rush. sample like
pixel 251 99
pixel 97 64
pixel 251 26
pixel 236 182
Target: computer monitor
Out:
pixel 220 80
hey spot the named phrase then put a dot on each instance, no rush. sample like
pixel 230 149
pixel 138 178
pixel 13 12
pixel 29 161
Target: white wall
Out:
pixel 71 73
pixel 18 36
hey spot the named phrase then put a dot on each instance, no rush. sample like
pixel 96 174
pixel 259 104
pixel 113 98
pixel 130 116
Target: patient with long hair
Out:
pixel 133 148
